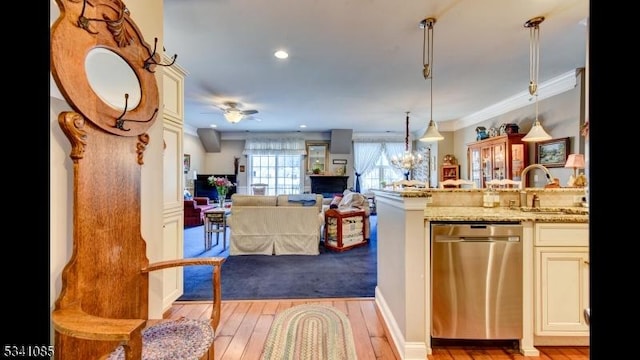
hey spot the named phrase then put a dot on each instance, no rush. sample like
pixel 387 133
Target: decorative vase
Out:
pixel 222 194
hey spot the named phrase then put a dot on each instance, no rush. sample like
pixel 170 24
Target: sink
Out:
pixel 555 210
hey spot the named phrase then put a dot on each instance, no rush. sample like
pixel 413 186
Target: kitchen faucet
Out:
pixel 524 172
pixel 523 179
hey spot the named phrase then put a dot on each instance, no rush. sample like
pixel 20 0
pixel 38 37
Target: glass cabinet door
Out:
pixel 499 161
pixel 475 167
pixel 487 164
pixel 517 161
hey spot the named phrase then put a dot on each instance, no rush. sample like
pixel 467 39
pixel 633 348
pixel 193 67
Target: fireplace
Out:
pixel 328 185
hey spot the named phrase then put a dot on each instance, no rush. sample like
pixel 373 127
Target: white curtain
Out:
pixel 365 156
pixel 274 146
pixel 391 149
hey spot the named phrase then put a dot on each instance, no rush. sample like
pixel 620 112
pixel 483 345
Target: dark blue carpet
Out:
pixel 351 273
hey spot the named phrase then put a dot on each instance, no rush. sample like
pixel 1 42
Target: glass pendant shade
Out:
pixel 233 116
pixel 432 133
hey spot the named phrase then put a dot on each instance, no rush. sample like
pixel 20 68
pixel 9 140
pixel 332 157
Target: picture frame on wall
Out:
pixel 552 153
pixel 187 163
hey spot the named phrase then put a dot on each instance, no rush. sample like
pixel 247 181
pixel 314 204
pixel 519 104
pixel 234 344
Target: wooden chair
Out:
pixel 102 310
pixel 457 183
pixel 503 183
pixel 409 184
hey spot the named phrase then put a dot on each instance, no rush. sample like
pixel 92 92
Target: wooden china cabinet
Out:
pixel 499 157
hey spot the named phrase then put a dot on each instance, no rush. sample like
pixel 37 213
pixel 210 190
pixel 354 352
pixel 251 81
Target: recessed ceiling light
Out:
pixel 213 125
pixel 303 126
pixel 281 54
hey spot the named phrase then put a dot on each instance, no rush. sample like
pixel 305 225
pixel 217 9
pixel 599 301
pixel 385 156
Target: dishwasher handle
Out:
pixel 477 239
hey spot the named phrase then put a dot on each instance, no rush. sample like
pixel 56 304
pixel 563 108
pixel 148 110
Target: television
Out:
pixel 202 187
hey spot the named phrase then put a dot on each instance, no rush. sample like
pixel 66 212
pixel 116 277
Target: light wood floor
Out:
pixel 244 326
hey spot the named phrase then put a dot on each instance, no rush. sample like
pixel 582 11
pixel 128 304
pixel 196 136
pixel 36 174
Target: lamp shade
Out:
pixel 537 133
pixel 233 116
pixel 432 133
pixel 575 161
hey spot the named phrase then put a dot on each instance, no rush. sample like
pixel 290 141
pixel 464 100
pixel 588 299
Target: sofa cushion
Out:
pixel 253 200
pixel 283 200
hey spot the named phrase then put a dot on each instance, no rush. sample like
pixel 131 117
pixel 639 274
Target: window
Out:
pixel 371 159
pixel 282 173
pixel 277 163
pixel 382 171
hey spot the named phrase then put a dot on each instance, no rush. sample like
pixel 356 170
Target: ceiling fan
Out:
pixel 233 114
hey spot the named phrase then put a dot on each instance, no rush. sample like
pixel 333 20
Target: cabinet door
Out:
pixel 172 248
pixel 475 166
pixel 562 284
pixel 499 161
pixel 486 154
pixel 173 177
pixel 517 161
pixel 173 92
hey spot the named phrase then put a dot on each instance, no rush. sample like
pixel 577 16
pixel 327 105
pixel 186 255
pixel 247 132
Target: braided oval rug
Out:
pixel 310 332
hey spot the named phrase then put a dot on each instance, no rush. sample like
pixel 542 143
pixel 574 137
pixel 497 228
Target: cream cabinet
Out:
pixel 561 268
pixel 173 178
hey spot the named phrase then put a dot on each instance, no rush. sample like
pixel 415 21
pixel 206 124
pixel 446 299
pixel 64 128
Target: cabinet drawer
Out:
pixel 550 234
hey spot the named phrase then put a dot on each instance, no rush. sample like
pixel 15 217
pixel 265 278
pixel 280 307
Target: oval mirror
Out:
pixel 111 77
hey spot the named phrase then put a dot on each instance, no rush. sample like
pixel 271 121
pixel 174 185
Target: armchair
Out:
pixel 194 210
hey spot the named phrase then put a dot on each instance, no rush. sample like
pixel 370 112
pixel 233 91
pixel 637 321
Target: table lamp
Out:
pixel 575 161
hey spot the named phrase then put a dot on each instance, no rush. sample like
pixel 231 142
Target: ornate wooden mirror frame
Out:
pixel 84 26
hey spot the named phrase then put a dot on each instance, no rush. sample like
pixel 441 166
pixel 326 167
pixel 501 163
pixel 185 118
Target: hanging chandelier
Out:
pixel 408 160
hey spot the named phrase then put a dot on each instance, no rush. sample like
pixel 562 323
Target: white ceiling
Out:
pixel 357 64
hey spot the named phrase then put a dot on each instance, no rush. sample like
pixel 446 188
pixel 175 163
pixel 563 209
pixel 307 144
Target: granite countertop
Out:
pixel 475 213
pixel 422 192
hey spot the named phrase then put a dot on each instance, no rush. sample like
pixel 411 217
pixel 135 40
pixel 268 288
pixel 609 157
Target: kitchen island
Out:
pixel 403 292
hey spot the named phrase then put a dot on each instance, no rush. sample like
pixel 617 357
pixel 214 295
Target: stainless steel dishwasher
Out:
pixel 476 281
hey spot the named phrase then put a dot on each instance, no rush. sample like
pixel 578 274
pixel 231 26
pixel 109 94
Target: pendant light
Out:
pixel 537 132
pixel 432 133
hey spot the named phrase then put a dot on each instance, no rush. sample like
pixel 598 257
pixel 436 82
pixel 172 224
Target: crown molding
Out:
pixel 552 87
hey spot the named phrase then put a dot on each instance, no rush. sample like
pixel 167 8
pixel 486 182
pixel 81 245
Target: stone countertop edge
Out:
pixel 474 213
pixel 427 192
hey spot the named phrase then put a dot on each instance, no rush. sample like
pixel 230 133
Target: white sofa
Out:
pixel 274 225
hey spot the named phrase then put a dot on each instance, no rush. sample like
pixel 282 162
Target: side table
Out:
pixel 344 229
pixel 215 221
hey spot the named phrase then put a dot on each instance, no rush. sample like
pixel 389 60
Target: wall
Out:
pixel 232 146
pixel 148 17
pixel 560 116
pixel 191 145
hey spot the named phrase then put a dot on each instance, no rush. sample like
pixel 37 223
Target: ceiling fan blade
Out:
pixel 249 112
pixel 250 117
